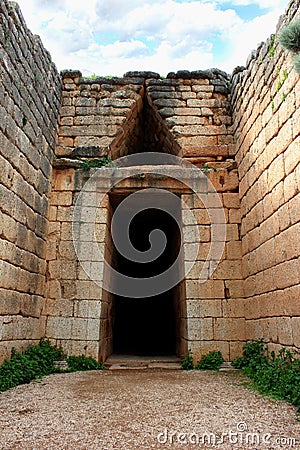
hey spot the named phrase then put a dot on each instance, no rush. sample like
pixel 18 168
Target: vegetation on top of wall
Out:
pixel 278 376
pixel 94 76
pixel 38 361
pixel 206 168
pixel 87 164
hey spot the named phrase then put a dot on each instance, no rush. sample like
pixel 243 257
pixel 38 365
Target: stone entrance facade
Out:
pixel 240 132
pixel 188 117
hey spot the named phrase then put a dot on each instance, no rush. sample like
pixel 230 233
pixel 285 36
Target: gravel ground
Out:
pixel 143 409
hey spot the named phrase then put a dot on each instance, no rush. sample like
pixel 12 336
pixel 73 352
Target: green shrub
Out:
pixel 44 354
pixel 187 361
pixel 36 361
pixel 278 376
pixel 78 363
pixel 290 37
pixel 254 356
pixel 212 361
pixel 297 64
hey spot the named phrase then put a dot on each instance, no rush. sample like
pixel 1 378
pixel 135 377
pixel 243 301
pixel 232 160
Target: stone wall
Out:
pixel 214 310
pixel 186 114
pixel 30 90
pixel 79 313
pixel 266 117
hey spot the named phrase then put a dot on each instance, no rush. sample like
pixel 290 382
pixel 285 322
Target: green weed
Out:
pixel 187 361
pixel 297 64
pixel 79 363
pixel 278 376
pixel 38 361
pixel 212 361
pixel 94 163
pixel 272 46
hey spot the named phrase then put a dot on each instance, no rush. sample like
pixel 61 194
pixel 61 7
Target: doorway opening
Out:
pixel 148 326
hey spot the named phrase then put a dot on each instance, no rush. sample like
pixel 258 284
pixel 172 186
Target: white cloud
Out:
pixel 124 49
pixel 113 10
pixel 268 4
pixel 244 38
pixel 112 37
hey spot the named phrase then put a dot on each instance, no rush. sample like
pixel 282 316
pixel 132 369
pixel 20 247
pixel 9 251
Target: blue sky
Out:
pixel 110 37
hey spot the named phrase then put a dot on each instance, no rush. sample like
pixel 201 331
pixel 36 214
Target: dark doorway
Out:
pixel 147 326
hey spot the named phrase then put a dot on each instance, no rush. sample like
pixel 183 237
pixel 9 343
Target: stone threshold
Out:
pixel 133 362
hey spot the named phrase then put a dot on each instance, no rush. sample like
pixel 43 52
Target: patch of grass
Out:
pixel 278 376
pixel 212 361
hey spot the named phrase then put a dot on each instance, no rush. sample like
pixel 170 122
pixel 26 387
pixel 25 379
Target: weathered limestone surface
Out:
pixel 30 91
pixel 266 105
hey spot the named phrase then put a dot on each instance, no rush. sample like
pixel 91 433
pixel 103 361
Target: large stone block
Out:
pixel 93 329
pixel 295 322
pixel 58 307
pixel 59 327
pixel 200 329
pixel 228 270
pixel 211 289
pixel 285 330
pixel 203 308
pixel 233 308
pixel 229 329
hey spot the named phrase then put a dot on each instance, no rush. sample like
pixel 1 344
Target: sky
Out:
pixel 111 37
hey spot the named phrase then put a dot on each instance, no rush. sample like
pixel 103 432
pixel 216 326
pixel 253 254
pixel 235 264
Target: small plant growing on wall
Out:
pixel 297 64
pixel 105 161
pixel 272 46
pixel 290 40
pixel 290 37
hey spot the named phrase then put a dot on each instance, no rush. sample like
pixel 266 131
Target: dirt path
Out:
pixel 144 409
